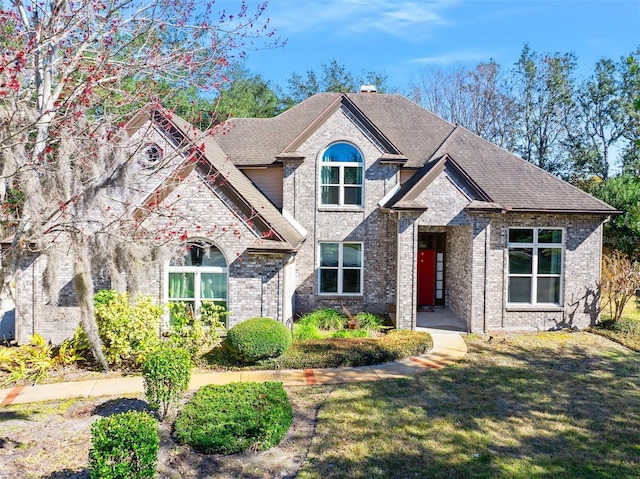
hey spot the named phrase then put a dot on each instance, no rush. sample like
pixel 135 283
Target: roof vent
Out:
pixel 368 88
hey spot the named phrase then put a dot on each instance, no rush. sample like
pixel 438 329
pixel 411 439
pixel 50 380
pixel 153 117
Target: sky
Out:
pixel 403 39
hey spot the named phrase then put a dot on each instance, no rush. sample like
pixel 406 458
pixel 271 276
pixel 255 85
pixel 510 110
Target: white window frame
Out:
pixel 197 272
pixel 536 246
pixel 341 184
pixel 340 268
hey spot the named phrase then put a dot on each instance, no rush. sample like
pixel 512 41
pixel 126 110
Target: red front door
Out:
pixel 426 277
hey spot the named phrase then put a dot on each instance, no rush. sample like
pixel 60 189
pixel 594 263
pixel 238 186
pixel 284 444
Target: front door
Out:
pixel 430 268
pixel 426 277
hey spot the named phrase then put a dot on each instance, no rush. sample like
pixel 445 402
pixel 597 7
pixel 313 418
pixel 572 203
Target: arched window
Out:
pixel 201 275
pixel 341 176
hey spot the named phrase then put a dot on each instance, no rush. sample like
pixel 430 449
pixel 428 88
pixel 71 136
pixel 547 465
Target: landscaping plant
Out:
pixel 166 372
pixel 195 332
pixel 235 417
pixel 30 363
pixel 369 321
pixel 326 318
pixel 128 329
pixel 124 446
pixel 258 338
pixel 620 280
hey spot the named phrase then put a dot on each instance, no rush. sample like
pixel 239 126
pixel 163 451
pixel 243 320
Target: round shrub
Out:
pixel 235 417
pixel 258 338
pixel 124 446
pixel 166 373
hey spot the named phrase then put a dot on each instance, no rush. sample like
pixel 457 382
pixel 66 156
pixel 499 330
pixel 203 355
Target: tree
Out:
pixel 69 73
pixel 606 118
pixel 334 78
pixel 599 121
pixel 477 99
pixel 622 232
pixel 543 89
pixel 630 73
pixel 247 96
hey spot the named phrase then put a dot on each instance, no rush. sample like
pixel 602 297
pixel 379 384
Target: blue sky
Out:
pixel 402 38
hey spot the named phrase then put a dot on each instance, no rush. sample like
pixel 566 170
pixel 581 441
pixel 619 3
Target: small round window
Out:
pixel 151 155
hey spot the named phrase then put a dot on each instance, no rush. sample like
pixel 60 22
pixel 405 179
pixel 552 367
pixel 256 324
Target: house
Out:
pixel 361 200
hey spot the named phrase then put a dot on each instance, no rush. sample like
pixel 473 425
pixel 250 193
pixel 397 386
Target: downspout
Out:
pixel 487 234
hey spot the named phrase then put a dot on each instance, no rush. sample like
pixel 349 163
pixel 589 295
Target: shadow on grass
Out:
pixel 68 474
pixel 120 405
pixel 13 415
pixel 511 410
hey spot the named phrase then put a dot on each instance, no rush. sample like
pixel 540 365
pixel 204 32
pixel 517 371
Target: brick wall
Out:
pixel 375 229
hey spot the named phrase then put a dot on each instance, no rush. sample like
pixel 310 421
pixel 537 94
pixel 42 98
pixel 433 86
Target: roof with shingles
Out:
pixel 422 137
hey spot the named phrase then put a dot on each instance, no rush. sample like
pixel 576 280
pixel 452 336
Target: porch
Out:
pixel 439 318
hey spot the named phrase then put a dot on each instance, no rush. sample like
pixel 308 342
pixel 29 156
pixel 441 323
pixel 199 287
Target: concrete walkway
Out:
pixel 448 347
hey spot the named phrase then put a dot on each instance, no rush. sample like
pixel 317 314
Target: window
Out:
pixel 341 176
pixel 150 155
pixel 201 275
pixel 340 269
pixel 535 265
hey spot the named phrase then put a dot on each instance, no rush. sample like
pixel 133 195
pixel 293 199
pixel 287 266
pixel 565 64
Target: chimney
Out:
pixel 368 88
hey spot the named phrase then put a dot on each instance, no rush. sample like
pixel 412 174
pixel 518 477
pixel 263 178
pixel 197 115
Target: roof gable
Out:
pixel 202 153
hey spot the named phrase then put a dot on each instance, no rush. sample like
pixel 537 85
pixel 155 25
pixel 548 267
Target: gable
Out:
pixel 201 155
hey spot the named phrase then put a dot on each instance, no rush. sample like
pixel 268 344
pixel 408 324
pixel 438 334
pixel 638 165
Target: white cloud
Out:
pixel 400 18
pixel 448 58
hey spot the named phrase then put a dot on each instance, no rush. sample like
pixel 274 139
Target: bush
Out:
pixel 235 417
pixel 31 362
pixel 124 446
pixel 369 321
pixel 258 338
pixel 306 329
pixel 166 373
pixel 326 318
pixel 195 332
pixel 127 330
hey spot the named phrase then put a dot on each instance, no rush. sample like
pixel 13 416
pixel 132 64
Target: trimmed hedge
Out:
pixel 124 446
pixel 258 338
pixel 235 417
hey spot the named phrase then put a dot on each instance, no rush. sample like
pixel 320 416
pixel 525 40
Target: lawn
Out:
pixel 627 330
pixel 548 405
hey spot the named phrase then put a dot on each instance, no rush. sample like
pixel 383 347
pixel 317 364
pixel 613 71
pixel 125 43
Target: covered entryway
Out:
pixel 430 268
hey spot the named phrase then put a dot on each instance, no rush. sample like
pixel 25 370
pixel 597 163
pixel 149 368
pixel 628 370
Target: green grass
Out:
pixel 626 331
pixel 334 352
pixel 548 405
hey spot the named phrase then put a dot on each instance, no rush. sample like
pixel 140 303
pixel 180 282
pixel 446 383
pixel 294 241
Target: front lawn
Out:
pixel 548 405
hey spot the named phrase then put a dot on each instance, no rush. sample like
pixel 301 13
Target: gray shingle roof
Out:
pixel 421 137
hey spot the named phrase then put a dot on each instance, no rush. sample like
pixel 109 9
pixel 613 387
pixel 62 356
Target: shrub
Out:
pixel 127 330
pixel 305 329
pixel 235 418
pixel 351 333
pixel 326 318
pixel 124 446
pixel 369 321
pixel 31 362
pixel 258 338
pixel 192 332
pixel 166 373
